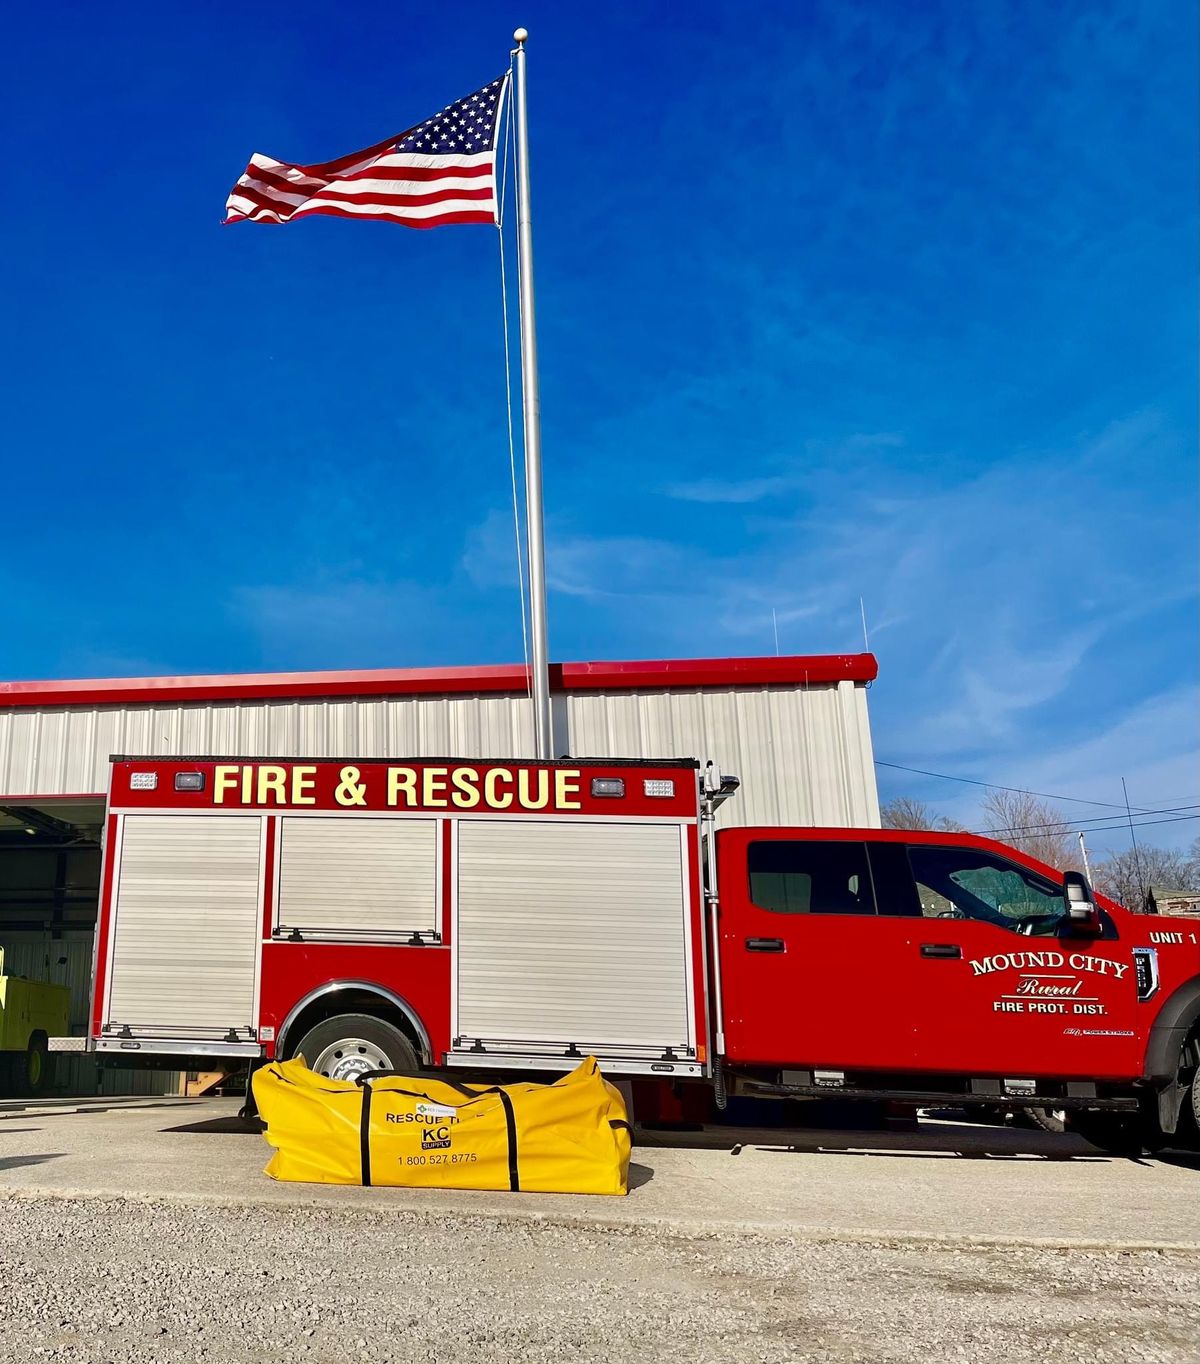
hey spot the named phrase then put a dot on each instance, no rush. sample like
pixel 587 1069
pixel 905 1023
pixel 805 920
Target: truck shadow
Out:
pixel 230 1124
pixel 16 1162
pixel 955 1141
pixel 1185 1160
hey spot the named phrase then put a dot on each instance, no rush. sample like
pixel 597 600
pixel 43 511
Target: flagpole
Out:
pixel 532 411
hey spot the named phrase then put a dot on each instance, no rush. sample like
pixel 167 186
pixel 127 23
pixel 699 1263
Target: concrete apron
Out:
pixel 945 1183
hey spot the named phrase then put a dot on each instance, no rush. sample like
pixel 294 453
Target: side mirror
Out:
pixel 1082 913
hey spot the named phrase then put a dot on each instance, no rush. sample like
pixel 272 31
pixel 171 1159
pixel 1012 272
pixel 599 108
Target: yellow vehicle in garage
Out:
pixel 31 1012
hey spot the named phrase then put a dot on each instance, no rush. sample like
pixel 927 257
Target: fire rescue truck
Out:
pixel 501 917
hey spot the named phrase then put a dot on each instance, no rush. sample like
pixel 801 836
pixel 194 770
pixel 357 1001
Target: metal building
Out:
pixel 795 730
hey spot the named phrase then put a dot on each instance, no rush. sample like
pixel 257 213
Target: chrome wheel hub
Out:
pixel 350 1057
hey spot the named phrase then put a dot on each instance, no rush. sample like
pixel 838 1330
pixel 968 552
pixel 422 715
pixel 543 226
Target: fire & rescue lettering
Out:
pixel 404 788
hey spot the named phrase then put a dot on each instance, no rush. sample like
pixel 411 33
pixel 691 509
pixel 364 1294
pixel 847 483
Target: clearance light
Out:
pixel 658 786
pixel 608 786
pixel 189 781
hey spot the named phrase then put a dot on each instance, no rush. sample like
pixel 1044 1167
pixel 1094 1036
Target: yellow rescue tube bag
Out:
pixel 572 1136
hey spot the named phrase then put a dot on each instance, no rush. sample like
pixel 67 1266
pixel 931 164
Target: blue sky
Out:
pixel 835 300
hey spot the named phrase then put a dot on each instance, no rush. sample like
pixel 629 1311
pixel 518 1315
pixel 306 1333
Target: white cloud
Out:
pixel 358 623
pixel 715 490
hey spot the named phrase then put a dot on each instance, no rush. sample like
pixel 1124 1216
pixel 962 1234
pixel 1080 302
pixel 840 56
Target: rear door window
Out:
pixel 794 876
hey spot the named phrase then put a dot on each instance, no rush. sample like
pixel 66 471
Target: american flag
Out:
pixel 441 171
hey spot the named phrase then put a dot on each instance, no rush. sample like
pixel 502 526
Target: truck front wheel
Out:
pixel 1119 1134
pixel 350 1045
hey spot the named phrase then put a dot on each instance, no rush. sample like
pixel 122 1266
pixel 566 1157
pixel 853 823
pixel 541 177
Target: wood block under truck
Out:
pixel 501 917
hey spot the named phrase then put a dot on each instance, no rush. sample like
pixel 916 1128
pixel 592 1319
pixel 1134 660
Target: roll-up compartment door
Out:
pixel 572 933
pixel 354 876
pixel 187 925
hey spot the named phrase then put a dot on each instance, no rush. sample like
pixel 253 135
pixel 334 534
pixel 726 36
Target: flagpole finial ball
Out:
pixel 520 35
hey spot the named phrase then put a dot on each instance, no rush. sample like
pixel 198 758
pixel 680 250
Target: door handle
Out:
pixel 765 945
pixel 941 949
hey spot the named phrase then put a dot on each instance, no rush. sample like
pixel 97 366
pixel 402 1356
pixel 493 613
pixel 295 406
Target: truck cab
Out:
pixel 891 961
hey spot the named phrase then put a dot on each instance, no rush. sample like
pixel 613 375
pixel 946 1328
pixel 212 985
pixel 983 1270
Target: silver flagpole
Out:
pixel 540 689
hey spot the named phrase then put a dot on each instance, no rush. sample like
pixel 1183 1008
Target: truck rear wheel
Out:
pixel 350 1045
pixel 1046 1119
pixel 33 1069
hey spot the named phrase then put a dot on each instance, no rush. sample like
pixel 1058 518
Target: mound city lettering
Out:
pixel 1044 961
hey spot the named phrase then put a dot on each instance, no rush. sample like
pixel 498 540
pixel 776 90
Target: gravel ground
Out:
pixel 99 1281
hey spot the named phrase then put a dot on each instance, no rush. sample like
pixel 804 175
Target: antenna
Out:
pixel 862 611
pixel 775 627
pixel 1087 871
pixel 1137 856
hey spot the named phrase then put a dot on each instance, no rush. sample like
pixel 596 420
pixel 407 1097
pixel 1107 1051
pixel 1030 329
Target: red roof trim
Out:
pixel 815 670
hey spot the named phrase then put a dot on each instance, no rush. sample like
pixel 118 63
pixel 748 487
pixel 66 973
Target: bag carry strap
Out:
pixel 364 1136
pixel 458 1088
pixel 510 1124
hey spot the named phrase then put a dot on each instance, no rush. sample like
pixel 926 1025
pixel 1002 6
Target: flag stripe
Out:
pixel 418 190
pixel 259 189
pixel 338 211
pixel 479 163
pixel 378 171
pixel 373 208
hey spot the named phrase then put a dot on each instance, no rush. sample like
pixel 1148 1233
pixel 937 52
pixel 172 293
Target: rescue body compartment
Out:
pixel 524 914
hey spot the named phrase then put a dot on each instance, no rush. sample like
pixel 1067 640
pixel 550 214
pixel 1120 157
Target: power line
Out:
pixel 1093 828
pixel 1017 790
pixel 1072 826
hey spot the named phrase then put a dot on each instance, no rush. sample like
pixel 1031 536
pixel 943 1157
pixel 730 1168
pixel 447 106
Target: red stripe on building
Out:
pixel 644 675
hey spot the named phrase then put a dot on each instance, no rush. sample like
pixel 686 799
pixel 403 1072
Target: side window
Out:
pixel 895 894
pixel 801 877
pixel 967 883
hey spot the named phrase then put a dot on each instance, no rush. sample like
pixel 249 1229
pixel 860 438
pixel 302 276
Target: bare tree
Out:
pixel 1032 824
pixel 905 812
pixel 1127 876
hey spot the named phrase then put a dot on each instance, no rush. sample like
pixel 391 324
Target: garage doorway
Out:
pixel 49 897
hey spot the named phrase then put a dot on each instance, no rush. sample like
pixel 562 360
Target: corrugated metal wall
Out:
pixel 803 753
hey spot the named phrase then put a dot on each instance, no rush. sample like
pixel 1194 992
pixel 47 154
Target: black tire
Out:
pixel 1188 1130
pixel 1046 1119
pixel 1119 1134
pixel 33 1068
pixel 351 1044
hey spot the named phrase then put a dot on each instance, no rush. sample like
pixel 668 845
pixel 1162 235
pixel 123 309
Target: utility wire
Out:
pixel 1018 790
pixel 1093 829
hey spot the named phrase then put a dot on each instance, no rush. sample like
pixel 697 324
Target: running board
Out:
pixel 931 1098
